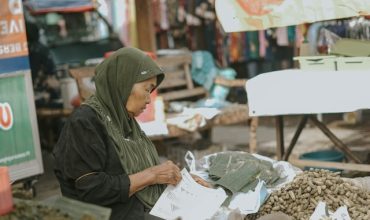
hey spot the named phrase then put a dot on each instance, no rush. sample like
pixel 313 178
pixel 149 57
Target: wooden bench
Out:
pixel 178 84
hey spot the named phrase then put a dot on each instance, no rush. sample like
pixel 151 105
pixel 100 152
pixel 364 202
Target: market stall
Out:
pixel 297 92
pixel 314 194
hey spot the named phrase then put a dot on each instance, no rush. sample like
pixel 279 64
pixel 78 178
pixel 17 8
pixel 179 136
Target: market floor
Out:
pixel 357 137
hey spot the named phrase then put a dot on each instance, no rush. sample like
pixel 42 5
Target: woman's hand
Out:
pixel 201 181
pixel 166 173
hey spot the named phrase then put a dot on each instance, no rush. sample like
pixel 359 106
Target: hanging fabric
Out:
pixel 282 36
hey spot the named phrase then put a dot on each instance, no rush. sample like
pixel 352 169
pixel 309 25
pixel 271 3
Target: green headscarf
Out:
pixel 114 79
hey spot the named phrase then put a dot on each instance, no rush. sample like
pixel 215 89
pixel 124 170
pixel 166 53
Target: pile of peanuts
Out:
pixel 299 198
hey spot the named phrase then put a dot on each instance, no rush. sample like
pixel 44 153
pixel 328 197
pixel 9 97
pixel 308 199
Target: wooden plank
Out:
pixel 189 80
pixel 176 74
pixel 175 60
pixel 230 82
pixel 180 94
pixel 294 140
pixel 335 165
pixel 173 79
pixel 279 137
pixel 82 72
pixel 145 25
pixel 253 135
pixel 170 83
pixel 53 112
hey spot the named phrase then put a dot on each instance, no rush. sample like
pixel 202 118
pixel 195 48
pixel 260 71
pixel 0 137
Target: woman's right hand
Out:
pixel 166 173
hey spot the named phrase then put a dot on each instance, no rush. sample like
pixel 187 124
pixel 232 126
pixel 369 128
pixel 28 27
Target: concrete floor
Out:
pixel 357 137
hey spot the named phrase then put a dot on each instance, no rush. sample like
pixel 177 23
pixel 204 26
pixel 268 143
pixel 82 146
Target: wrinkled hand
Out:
pixel 166 173
pixel 201 181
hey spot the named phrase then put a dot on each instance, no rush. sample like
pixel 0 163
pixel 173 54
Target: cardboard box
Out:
pixel 351 48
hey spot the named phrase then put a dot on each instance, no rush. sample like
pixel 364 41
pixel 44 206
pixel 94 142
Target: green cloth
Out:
pixel 224 163
pixel 236 180
pixel 240 172
pixel 114 80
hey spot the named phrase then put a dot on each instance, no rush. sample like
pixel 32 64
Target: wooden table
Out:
pixel 47 120
pixel 233 114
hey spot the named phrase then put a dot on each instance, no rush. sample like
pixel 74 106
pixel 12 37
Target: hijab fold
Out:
pixel 114 79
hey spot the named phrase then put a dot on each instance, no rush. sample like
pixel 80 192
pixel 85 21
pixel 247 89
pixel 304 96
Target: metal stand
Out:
pixel 280 138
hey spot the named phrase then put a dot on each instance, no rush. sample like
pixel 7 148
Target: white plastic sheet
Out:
pixel 308 92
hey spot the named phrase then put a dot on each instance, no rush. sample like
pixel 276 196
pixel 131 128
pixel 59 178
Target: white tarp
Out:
pixel 249 15
pixel 293 91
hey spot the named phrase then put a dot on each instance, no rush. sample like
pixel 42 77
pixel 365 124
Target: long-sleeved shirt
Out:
pixel 88 168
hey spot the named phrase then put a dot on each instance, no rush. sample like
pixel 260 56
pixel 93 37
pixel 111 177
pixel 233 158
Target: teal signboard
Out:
pixel 19 140
pixel 16 139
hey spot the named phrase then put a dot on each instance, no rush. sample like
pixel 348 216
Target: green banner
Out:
pixel 16 139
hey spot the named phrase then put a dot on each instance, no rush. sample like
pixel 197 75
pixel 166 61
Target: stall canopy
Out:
pixel 45 6
pixel 249 15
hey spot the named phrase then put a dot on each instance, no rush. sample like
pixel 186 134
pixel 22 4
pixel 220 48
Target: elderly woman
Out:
pixel 102 156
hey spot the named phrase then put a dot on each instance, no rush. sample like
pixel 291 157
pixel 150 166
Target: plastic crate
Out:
pixel 353 63
pixel 317 62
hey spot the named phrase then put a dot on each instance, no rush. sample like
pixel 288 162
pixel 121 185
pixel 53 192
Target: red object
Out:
pixel 76 101
pixel 107 54
pixel 151 55
pixel 148 114
pixel 6 198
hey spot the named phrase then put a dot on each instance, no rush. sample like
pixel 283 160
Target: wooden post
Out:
pixel 253 135
pixel 298 132
pixel 338 143
pixel 145 25
pixel 279 121
pixel 335 165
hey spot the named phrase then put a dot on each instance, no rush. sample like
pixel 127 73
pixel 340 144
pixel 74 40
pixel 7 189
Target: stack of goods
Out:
pixel 299 198
pixel 240 172
pixel 60 208
pixel 33 210
pixel 231 114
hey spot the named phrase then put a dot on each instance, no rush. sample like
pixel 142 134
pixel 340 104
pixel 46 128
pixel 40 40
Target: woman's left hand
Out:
pixel 201 181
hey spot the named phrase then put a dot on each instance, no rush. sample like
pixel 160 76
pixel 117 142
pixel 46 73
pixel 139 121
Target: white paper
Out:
pixel 207 113
pixel 193 118
pixel 154 128
pixel 341 214
pixel 321 211
pixel 188 200
pixel 250 202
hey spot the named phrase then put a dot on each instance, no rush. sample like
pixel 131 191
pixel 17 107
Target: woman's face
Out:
pixel 140 96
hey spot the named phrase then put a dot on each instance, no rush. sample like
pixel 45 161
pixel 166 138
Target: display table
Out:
pixel 233 114
pixel 306 93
